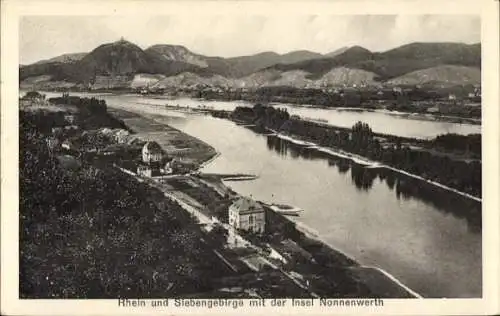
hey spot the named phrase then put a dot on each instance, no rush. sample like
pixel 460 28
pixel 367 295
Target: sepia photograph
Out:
pixel 325 160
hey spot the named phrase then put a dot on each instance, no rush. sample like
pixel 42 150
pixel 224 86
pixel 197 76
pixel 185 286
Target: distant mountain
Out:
pixel 246 65
pixel 447 75
pixel 301 79
pixel 348 76
pixel 318 67
pixel 394 62
pixel 258 78
pixel 179 53
pixel 298 56
pixel 468 55
pixel 65 59
pixel 125 58
pixel 57 67
pixel 230 67
pixel 54 70
pixel 337 51
pixel 113 59
pixel 416 56
pixel 124 64
pixel 294 78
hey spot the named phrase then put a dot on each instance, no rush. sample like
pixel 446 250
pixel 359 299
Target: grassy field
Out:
pixel 175 142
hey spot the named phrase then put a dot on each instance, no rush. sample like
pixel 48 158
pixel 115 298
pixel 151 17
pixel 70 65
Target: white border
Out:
pixel 12 10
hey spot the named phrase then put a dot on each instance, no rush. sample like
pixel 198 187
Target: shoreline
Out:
pixel 303 228
pixel 317 237
pixel 407 115
pixel 370 164
pixel 300 227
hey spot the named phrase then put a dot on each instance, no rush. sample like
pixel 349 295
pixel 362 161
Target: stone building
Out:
pixel 247 214
pixel 152 153
pixel 153 157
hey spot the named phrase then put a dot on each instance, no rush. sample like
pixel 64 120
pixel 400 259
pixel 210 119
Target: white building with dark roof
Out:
pixel 247 214
pixel 152 153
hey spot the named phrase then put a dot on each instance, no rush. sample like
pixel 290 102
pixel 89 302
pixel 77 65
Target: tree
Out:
pixel 362 136
pixel 219 234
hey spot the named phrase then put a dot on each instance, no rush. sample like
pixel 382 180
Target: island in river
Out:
pixel 409 214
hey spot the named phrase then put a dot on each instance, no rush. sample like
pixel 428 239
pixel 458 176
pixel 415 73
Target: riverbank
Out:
pixel 406 114
pixel 370 163
pixel 178 144
pixel 412 112
pixel 279 220
pixel 448 159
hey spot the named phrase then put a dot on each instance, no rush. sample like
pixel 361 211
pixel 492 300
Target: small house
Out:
pixel 71 127
pixel 69 119
pixel 25 102
pixel 121 135
pixel 397 90
pixel 52 143
pixel 57 130
pixel 178 166
pixel 247 214
pixel 433 109
pixel 68 145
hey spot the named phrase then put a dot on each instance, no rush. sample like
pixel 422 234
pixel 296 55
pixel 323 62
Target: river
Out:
pixel 427 238
pixel 379 122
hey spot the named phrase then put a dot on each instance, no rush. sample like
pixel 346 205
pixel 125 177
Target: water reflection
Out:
pixel 404 187
pixel 363 177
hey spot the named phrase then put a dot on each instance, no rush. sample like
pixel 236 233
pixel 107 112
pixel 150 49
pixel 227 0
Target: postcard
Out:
pixel 247 157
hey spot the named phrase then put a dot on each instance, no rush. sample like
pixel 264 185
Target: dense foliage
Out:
pixel 92 105
pixel 458 174
pixel 455 142
pixel 92 233
pixel 411 100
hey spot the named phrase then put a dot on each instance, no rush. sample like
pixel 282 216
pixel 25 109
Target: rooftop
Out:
pixel 246 205
pixel 152 146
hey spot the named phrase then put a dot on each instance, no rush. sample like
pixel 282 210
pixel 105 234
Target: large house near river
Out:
pixel 152 158
pixel 152 153
pixel 247 214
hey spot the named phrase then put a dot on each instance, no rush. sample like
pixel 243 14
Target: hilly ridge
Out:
pixel 446 75
pixel 395 62
pixel 120 58
pixel 129 65
pixel 234 66
pixel 65 58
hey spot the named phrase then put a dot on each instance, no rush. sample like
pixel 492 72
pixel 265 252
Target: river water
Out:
pixel 427 238
pixel 379 122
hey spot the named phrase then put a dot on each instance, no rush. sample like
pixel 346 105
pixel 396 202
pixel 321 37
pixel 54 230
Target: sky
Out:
pixel 43 37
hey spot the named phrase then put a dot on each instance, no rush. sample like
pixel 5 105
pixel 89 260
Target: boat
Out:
pixel 317 120
pixel 286 209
